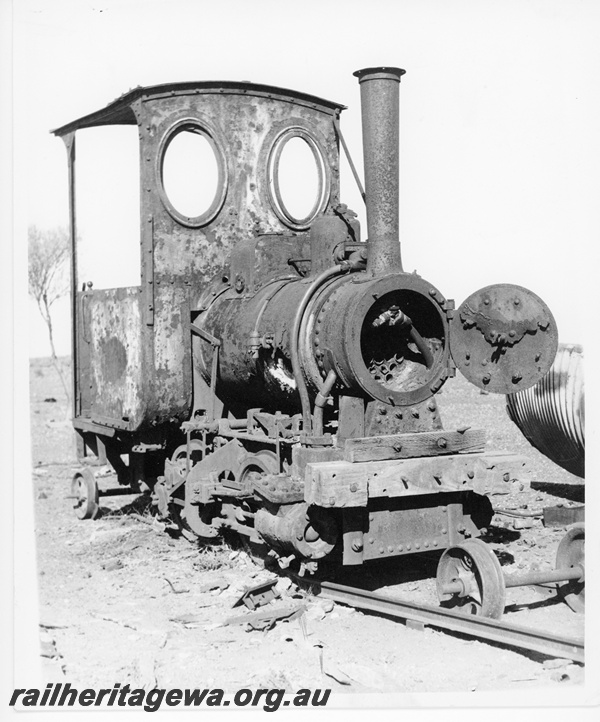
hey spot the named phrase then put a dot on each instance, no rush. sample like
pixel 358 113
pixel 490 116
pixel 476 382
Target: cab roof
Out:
pixel 120 111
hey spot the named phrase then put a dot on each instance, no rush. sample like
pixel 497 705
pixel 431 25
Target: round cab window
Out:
pixel 192 175
pixel 298 182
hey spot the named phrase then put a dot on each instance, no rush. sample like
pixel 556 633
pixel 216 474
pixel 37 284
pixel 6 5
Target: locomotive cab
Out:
pixel 132 346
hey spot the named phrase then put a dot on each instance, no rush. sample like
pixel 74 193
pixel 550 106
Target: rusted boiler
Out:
pixel 274 372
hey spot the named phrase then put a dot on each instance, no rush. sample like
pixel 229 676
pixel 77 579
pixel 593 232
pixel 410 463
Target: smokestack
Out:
pixel 380 104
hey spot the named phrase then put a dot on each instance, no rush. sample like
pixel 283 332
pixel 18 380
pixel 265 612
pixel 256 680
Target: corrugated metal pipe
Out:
pixel 380 107
pixel 551 414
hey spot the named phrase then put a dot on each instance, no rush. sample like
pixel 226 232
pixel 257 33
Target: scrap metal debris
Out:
pixel 266 620
pixel 258 595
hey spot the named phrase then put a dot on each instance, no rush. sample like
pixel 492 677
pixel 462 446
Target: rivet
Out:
pixel 353 487
pixel 398 414
pixel 415 413
pixel 381 550
pixel 390 549
pixel 471 474
pixel 400 547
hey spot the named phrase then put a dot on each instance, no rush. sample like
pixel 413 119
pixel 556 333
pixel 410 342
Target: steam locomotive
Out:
pixel 274 373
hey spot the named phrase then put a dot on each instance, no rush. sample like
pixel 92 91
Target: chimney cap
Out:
pixel 381 73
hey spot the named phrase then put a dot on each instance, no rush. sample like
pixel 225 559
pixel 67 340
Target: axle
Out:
pixel 575 574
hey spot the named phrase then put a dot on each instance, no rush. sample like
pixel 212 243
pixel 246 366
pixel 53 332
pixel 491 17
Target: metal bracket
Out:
pixel 258 595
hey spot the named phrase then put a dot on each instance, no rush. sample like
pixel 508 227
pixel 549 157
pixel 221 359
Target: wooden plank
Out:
pixel 406 446
pixel 558 516
pixel 344 484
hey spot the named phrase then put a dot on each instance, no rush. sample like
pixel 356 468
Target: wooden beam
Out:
pixel 344 484
pixel 406 446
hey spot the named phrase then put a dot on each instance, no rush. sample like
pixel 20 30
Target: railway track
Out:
pixel 419 615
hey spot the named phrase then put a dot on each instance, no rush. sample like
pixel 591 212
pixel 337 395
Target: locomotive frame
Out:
pixel 276 375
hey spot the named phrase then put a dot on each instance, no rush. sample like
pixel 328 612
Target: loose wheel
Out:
pixel 571 553
pixel 85 491
pixel 179 456
pixel 469 578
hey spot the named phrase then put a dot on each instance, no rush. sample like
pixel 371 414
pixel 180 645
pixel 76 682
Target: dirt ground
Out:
pixel 122 600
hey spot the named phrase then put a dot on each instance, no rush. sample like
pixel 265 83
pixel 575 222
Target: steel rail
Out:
pixel 473 626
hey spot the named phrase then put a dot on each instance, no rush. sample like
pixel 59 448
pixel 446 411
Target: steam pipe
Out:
pixel 320 402
pixel 380 107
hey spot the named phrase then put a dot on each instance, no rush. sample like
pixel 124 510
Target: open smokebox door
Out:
pixel 503 338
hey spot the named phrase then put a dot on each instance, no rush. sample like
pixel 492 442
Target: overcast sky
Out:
pixel 499 109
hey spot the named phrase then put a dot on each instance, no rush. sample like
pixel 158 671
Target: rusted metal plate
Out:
pixel 503 338
pixel 138 376
pixel 112 325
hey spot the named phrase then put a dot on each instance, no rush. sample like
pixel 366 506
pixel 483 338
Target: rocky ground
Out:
pixel 122 600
